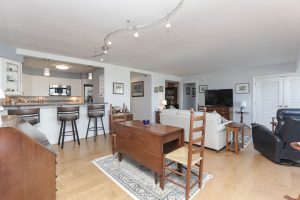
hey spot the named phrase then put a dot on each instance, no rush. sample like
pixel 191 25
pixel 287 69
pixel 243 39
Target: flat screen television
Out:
pixel 222 97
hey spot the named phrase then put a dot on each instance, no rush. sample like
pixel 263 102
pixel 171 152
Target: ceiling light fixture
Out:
pixel 62 67
pixel 90 75
pixel 46 72
pixel 101 59
pixel 136 28
pixel 168 25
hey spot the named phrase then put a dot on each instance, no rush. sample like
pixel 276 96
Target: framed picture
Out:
pixel 155 89
pixel 161 88
pixel 202 88
pixel 193 92
pixel 118 88
pixel 188 90
pixel 137 89
pixel 242 88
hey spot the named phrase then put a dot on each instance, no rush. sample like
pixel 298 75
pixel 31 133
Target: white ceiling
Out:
pixel 206 35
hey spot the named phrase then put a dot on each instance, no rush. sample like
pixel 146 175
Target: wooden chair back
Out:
pixel 196 141
pixel 96 108
pixel 113 119
pixel 26 113
pixel 65 111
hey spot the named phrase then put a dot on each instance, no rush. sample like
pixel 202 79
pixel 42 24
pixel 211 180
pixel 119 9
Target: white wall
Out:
pixel 141 106
pixel 227 79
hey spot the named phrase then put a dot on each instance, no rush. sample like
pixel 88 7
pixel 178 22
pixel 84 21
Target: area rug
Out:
pixel 138 181
pixel 247 140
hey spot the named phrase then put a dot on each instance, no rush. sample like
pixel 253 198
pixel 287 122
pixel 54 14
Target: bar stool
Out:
pixel 32 116
pixel 65 114
pixel 95 111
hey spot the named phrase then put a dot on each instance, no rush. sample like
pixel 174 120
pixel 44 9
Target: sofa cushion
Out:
pixel 169 111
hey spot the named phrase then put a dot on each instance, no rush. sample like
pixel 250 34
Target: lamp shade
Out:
pixel 243 104
pixel 164 102
pixel 2 95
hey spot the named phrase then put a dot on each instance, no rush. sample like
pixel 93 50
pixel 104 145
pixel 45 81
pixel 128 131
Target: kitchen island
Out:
pixel 50 126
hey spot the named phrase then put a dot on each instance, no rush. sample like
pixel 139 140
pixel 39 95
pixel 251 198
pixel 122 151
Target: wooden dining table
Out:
pixel 148 144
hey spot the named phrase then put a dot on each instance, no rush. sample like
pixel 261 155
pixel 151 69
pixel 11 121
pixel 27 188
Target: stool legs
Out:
pixel 62 133
pixel 87 130
pixel 103 127
pixel 95 128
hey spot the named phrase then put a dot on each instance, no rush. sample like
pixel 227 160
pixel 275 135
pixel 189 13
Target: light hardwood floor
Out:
pixel 247 176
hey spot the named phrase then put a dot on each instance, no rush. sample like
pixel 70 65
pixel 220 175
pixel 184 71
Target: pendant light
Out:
pixel 46 72
pixel 90 75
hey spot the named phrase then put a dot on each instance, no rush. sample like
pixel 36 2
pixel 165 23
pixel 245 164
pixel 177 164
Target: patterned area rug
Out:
pixel 247 140
pixel 138 181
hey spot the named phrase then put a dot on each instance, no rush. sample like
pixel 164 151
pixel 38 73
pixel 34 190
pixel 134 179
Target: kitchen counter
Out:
pixel 50 126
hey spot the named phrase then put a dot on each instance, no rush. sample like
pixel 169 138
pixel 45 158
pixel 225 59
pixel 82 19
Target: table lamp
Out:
pixel 164 103
pixel 243 106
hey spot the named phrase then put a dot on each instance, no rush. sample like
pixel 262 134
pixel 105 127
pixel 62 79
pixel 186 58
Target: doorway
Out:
pixel 189 96
pixel 171 94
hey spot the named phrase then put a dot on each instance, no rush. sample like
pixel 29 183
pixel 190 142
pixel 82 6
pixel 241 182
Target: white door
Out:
pixel 268 99
pixel 292 92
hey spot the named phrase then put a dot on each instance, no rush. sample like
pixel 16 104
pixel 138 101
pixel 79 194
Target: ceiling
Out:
pixel 37 63
pixel 206 35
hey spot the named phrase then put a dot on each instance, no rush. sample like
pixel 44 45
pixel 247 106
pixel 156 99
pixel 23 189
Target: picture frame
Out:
pixel 118 88
pixel 193 92
pixel 161 88
pixel 137 89
pixel 188 90
pixel 155 89
pixel 202 88
pixel 242 88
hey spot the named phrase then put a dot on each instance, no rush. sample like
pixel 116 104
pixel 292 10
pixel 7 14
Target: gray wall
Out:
pixel 60 74
pixel 96 73
pixel 7 51
pixel 227 79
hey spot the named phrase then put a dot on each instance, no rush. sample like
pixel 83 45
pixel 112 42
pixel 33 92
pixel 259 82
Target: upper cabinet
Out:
pixel 11 75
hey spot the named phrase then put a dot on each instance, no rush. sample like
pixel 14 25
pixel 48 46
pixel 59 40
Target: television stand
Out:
pixel 224 111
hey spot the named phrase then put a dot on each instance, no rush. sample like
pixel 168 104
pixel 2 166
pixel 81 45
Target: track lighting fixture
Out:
pixel 136 34
pixel 168 25
pixel 135 28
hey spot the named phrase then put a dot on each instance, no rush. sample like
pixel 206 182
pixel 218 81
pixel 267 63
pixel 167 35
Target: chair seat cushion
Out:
pixel 32 121
pixel 95 114
pixel 67 117
pixel 180 155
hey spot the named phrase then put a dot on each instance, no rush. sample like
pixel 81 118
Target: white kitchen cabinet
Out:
pixel 11 76
pixel 75 87
pixel 272 93
pixel 59 81
pixel 27 85
pixel 40 86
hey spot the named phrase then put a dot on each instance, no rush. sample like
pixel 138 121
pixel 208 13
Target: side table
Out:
pixel 234 128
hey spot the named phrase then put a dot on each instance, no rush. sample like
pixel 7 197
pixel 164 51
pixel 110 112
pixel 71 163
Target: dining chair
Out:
pixel 113 120
pixel 188 157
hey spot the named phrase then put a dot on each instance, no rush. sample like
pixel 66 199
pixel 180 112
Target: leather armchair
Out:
pixel 276 145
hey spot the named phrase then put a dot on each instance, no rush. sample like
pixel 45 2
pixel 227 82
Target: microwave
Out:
pixel 59 90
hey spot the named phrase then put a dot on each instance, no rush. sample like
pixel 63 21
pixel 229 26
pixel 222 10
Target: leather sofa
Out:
pixel 215 126
pixel 276 145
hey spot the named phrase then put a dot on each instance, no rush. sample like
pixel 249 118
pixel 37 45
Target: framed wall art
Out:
pixel 188 90
pixel 202 88
pixel 137 89
pixel 118 88
pixel 242 88
pixel 193 92
pixel 161 88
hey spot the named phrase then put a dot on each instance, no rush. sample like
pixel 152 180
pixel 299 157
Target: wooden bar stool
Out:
pixel 65 114
pixel 32 116
pixel 95 111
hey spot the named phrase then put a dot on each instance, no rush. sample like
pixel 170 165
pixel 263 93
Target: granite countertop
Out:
pixel 49 104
